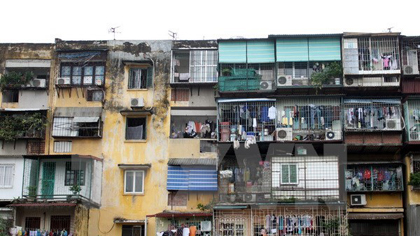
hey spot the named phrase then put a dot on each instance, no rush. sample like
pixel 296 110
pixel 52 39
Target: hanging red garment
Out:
pixel 367 174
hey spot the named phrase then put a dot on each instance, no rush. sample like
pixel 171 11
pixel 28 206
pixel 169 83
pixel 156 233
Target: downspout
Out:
pixel 145 226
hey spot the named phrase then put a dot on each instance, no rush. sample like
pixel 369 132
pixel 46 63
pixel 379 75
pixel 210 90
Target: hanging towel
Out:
pixel 272 113
pixel 254 122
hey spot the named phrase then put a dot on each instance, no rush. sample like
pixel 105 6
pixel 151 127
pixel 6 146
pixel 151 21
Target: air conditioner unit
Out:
pixel 250 197
pixel 414 135
pixel 332 135
pixel 266 85
pixel 63 80
pixel 391 81
pixel 284 134
pixel 412 67
pixel 263 197
pixel 137 102
pixel 37 83
pixel 410 70
pixel 372 81
pixel 353 82
pixel 284 80
pixel 98 82
pixel 205 226
pixel 393 124
pixel 358 199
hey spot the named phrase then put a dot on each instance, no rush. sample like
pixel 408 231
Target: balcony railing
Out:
pixel 80 127
pixel 246 77
pixel 196 66
pixel 374 178
pixel 61 179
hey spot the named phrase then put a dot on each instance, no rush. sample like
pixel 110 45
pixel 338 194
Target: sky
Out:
pixel 41 21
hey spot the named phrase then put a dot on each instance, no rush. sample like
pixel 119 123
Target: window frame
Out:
pixel 70 182
pixel 4 166
pixel 71 125
pixel 144 128
pixel 82 73
pixel 134 182
pixel 13 94
pixel 89 95
pixel 289 178
pixel 148 83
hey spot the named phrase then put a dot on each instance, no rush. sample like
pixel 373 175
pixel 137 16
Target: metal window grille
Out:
pixel 246 77
pixel 135 129
pixel 378 53
pixel 310 119
pixel 95 95
pixel 132 230
pixel 164 224
pixel 62 146
pixel 416 166
pixel 137 78
pixel 412 119
pixel 35 147
pixel 58 223
pixel 372 115
pixel 192 126
pixel 410 57
pixel 290 220
pixel 301 72
pixel 239 120
pixel 196 66
pixel 75 173
pixel 32 223
pixel 86 75
pixel 305 178
pixel 361 178
pixel 77 127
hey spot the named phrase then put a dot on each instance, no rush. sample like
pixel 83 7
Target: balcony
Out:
pixel 410 56
pixel 246 77
pixel 194 67
pixel 412 120
pixel 62 178
pixel 22 125
pixel 25 78
pixel 374 178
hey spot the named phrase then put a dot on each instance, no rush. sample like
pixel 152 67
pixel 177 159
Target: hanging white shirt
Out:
pixel 272 112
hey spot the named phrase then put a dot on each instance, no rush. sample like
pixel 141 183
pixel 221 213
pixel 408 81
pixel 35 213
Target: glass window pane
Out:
pixel 293 174
pixel 139 182
pixel 88 70
pixel 65 70
pixel 129 181
pixel 99 70
pixel 2 175
pixel 77 70
pixel 99 80
pixel 285 174
pixel 76 79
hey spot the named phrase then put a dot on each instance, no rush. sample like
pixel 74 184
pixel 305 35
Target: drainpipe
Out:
pixel 145 226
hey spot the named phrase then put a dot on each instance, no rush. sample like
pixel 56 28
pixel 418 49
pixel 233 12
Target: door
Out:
pixel 374 228
pixel 48 177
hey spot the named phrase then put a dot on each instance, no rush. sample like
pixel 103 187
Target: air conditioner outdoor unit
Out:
pixel 353 82
pixel 284 80
pixel 137 102
pixel 358 199
pixel 37 83
pixel 266 85
pixel 393 124
pixel 263 197
pixel 63 80
pixel 250 197
pixel 414 135
pixel 205 226
pixel 412 67
pixel 332 135
pixel 284 134
pixel 372 81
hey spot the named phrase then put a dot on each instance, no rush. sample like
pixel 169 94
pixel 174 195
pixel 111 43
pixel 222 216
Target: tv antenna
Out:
pixel 113 30
pixel 173 35
pixel 389 29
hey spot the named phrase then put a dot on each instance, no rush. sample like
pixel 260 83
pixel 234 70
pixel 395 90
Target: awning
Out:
pixel 28 63
pixel 136 112
pixel 229 207
pixel 135 166
pixel 23 109
pixel 52 204
pixel 370 216
pixel 192 178
pixel 63 156
pixel 189 112
pixel 168 214
pixel 247 100
pixel 86 119
pixel 192 162
pixel 126 221
pixel 78 112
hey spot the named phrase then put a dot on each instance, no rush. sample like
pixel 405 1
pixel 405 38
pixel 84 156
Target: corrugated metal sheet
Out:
pixel 28 63
pixel 370 216
pixel 232 52
pixel 260 51
pixel 324 49
pixel 169 214
pixel 367 101
pixel 197 178
pixel 192 162
pixel 78 112
pixel 292 50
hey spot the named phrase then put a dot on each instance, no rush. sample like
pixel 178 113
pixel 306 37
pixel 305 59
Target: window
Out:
pixel 6 176
pixel 95 95
pixel 10 96
pixel 58 223
pixel 132 230
pixel 416 166
pixel 195 66
pixel 77 127
pixel 140 78
pixel 289 174
pixel 75 173
pixel 89 74
pixel 32 223
pixel 177 198
pixel 134 180
pixel 180 95
pixel 135 129
pixel 62 146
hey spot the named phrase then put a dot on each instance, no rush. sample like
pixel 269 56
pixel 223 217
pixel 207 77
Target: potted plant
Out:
pixel 15 80
pixel 332 72
pixel 75 189
pixel 415 180
pixel 227 72
pixel 32 192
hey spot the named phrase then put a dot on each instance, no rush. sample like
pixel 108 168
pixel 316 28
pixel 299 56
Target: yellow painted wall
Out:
pixel 413 197
pixel 381 200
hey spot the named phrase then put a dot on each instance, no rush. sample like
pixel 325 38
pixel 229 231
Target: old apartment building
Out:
pixel 284 135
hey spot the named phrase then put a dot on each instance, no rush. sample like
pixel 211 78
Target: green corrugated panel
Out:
pixel 260 51
pixel 48 179
pixel 324 49
pixel 232 52
pixel 292 50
